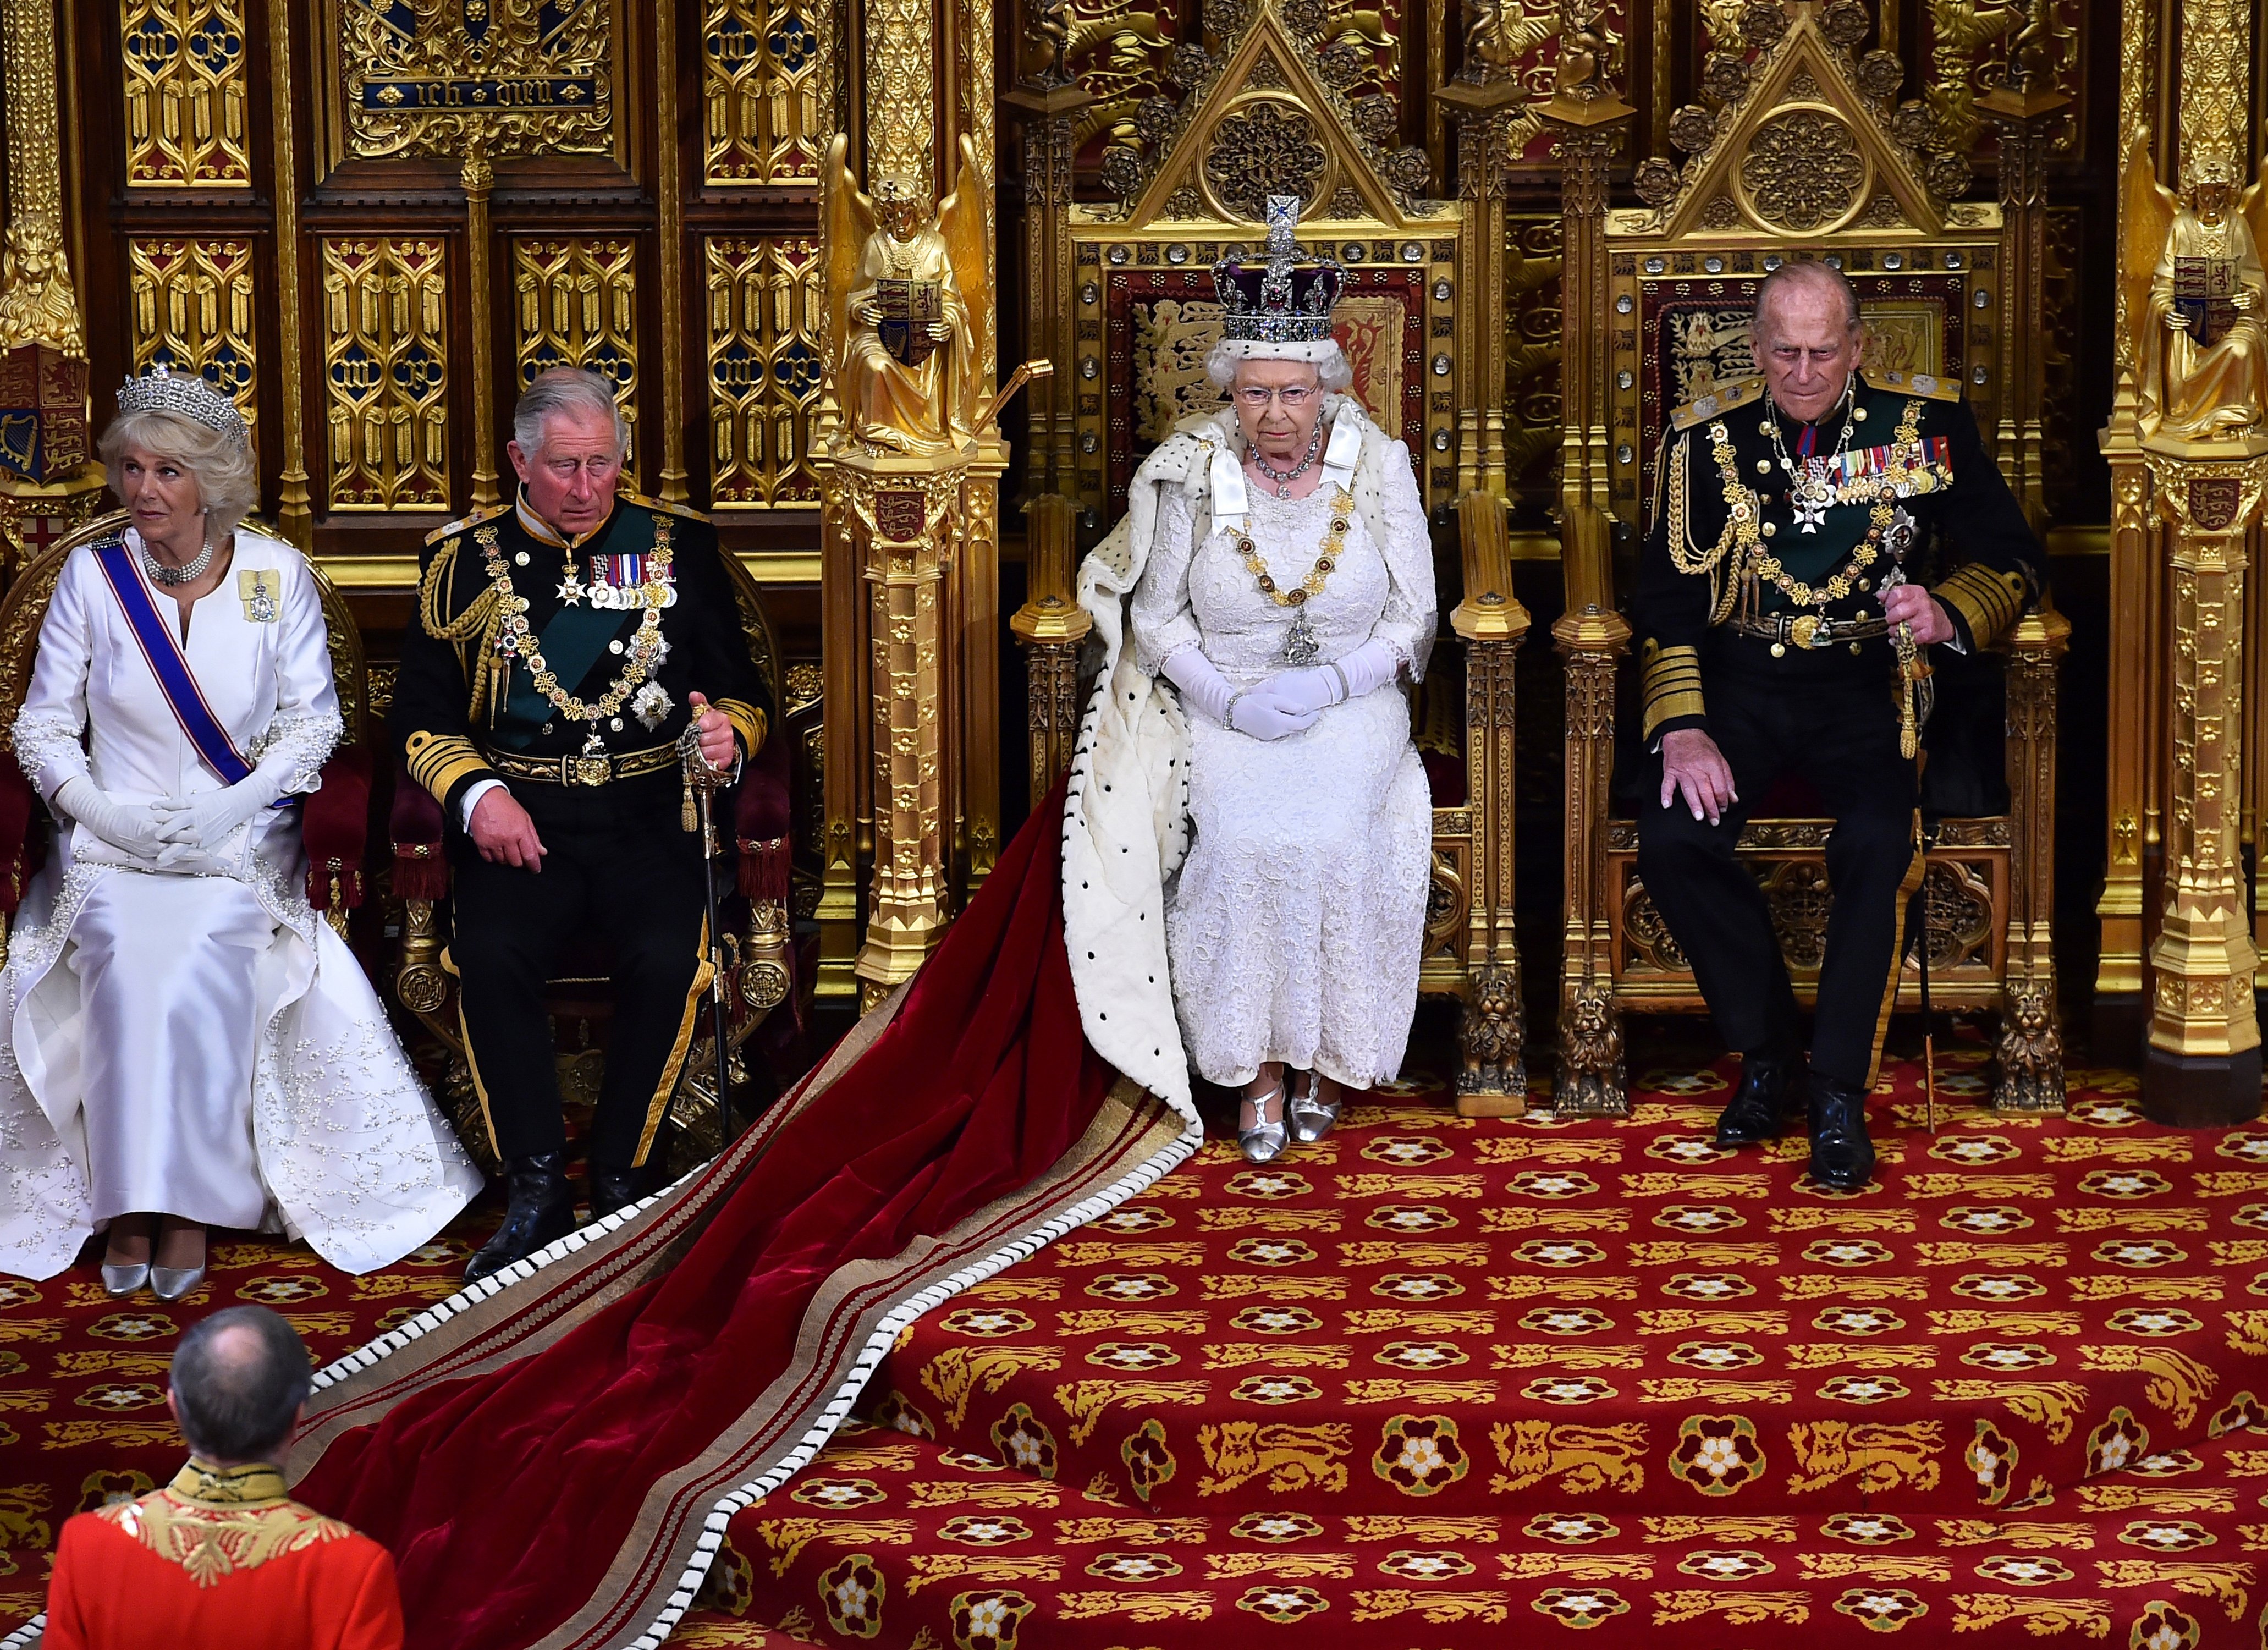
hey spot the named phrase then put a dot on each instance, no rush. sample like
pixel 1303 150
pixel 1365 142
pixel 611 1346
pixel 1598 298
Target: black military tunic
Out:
pixel 1770 638
pixel 604 794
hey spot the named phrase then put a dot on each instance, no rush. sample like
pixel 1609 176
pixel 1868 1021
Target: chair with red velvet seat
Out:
pixel 335 821
pixel 759 955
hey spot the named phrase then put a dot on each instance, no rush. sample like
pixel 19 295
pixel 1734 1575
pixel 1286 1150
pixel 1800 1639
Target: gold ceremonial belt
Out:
pixel 579 769
pixel 1808 630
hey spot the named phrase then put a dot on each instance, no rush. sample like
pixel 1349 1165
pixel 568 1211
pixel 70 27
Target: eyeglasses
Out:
pixel 1291 398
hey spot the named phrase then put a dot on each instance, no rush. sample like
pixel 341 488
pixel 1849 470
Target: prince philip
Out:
pixel 1781 632
pixel 562 647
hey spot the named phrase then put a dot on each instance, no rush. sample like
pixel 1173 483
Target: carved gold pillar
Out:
pixel 846 776
pixel 901 515
pixel 1049 115
pixel 1587 119
pixel 1051 625
pixel 47 473
pixel 2134 758
pixel 1483 110
pixel 479 177
pixel 669 230
pixel 2031 1038
pixel 974 685
pixel 1492 1075
pixel 295 510
pixel 2026 110
pixel 2203 1064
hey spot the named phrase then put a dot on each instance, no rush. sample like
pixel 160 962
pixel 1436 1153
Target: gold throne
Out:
pixel 1811 159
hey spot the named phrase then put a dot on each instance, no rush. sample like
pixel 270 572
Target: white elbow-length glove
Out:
pixel 130 828
pixel 206 821
pixel 1369 668
pixel 1262 711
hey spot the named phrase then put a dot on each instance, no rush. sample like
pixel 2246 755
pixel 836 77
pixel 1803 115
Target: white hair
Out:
pixel 226 474
pixel 1333 370
pixel 565 389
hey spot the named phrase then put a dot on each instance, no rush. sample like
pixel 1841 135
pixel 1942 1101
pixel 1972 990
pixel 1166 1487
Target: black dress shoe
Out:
pixel 613 1189
pixel 540 1210
pixel 1842 1156
pixel 1759 1107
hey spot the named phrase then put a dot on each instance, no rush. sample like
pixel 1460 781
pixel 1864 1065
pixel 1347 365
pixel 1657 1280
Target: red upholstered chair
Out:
pixel 335 822
pixel 760 963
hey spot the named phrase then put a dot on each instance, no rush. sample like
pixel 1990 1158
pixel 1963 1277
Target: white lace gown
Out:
pixel 198 1045
pixel 1296 923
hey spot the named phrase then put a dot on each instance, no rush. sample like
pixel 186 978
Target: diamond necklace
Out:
pixel 1285 478
pixel 186 573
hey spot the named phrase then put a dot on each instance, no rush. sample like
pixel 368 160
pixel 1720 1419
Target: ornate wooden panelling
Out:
pixel 428 78
pixel 1531 359
pixel 1967 49
pixel 575 304
pixel 766 362
pixel 193 310
pixel 185 92
pixel 761 92
pixel 385 372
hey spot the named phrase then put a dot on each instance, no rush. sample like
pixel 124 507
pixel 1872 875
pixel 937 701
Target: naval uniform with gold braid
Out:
pixel 562 670
pixel 1771 637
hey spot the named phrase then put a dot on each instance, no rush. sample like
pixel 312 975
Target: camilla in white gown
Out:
pixel 199 1044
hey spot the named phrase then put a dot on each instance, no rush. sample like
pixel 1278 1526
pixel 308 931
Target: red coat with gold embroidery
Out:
pixel 219 1558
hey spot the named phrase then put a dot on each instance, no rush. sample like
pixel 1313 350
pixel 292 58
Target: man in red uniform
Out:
pixel 220 1556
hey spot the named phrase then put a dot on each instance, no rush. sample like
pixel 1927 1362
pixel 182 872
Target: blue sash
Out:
pixel 166 664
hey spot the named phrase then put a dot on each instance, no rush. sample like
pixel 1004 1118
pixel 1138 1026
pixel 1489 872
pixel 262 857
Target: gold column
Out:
pixel 295 513
pixel 1493 1074
pixel 480 182
pixel 1484 110
pixel 1589 120
pixel 669 228
pixel 1051 625
pixel 845 776
pixel 901 90
pixel 1050 115
pixel 2136 581
pixel 2203 1065
pixel 900 515
pixel 2025 110
pixel 975 681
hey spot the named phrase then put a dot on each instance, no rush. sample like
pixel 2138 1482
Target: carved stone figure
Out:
pixel 36 305
pixel 2200 349
pixel 905 295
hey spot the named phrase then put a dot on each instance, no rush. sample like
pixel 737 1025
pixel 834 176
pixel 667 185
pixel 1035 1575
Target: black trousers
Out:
pixel 1838 727
pixel 619 865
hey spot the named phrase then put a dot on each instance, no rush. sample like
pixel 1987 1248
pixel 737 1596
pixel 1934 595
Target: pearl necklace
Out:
pixel 1285 478
pixel 186 573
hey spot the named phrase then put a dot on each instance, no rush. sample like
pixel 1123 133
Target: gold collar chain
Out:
pixel 645 649
pixel 1747 512
pixel 1300 646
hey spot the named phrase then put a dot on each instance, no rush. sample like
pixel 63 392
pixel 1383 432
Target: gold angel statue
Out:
pixel 2197 330
pixel 906 308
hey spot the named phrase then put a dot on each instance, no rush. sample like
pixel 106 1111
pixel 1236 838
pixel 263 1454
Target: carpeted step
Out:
pixel 1427 1313
pixel 897 1541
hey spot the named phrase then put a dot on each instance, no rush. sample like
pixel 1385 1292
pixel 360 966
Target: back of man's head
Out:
pixel 238 1379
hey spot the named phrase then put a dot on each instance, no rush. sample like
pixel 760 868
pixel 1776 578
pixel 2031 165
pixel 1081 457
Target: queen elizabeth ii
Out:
pixel 186 1045
pixel 1249 821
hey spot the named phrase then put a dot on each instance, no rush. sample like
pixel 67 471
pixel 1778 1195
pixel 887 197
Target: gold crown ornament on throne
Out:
pixel 185 395
pixel 1280 300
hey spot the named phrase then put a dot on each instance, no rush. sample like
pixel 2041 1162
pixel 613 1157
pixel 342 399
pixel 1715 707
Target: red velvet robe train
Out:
pixel 543 1464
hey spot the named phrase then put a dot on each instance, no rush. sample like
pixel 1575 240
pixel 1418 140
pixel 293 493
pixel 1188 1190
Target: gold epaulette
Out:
pixel 687 510
pixel 451 529
pixel 1921 384
pixel 1740 393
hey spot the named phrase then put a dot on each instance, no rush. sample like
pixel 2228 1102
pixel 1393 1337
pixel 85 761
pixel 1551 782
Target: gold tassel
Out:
pixel 689 816
pixel 1913 672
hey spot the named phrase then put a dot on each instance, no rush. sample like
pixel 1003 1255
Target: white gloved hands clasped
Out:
pixel 1261 713
pixel 133 829
pixel 207 820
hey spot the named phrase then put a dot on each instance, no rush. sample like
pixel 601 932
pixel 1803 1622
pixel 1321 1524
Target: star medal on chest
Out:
pixel 1302 646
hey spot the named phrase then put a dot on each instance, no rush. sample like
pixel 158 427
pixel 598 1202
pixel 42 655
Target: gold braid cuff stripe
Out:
pixel 1672 686
pixel 439 761
pixel 1987 600
pixel 747 721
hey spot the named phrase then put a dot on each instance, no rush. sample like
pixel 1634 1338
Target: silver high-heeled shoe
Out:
pixel 171 1283
pixel 1263 1142
pixel 118 1282
pixel 1311 1119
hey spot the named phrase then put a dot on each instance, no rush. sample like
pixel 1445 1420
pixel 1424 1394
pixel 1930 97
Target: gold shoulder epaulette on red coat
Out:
pixel 1739 393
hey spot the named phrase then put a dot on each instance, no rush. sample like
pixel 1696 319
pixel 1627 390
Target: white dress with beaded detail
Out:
pixel 199 1045
pixel 1296 923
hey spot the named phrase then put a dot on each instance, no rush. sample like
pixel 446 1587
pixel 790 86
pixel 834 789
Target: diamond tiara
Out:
pixel 1280 300
pixel 186 395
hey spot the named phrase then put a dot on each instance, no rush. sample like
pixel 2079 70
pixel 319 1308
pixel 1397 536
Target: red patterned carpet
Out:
pixel 1436 1378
